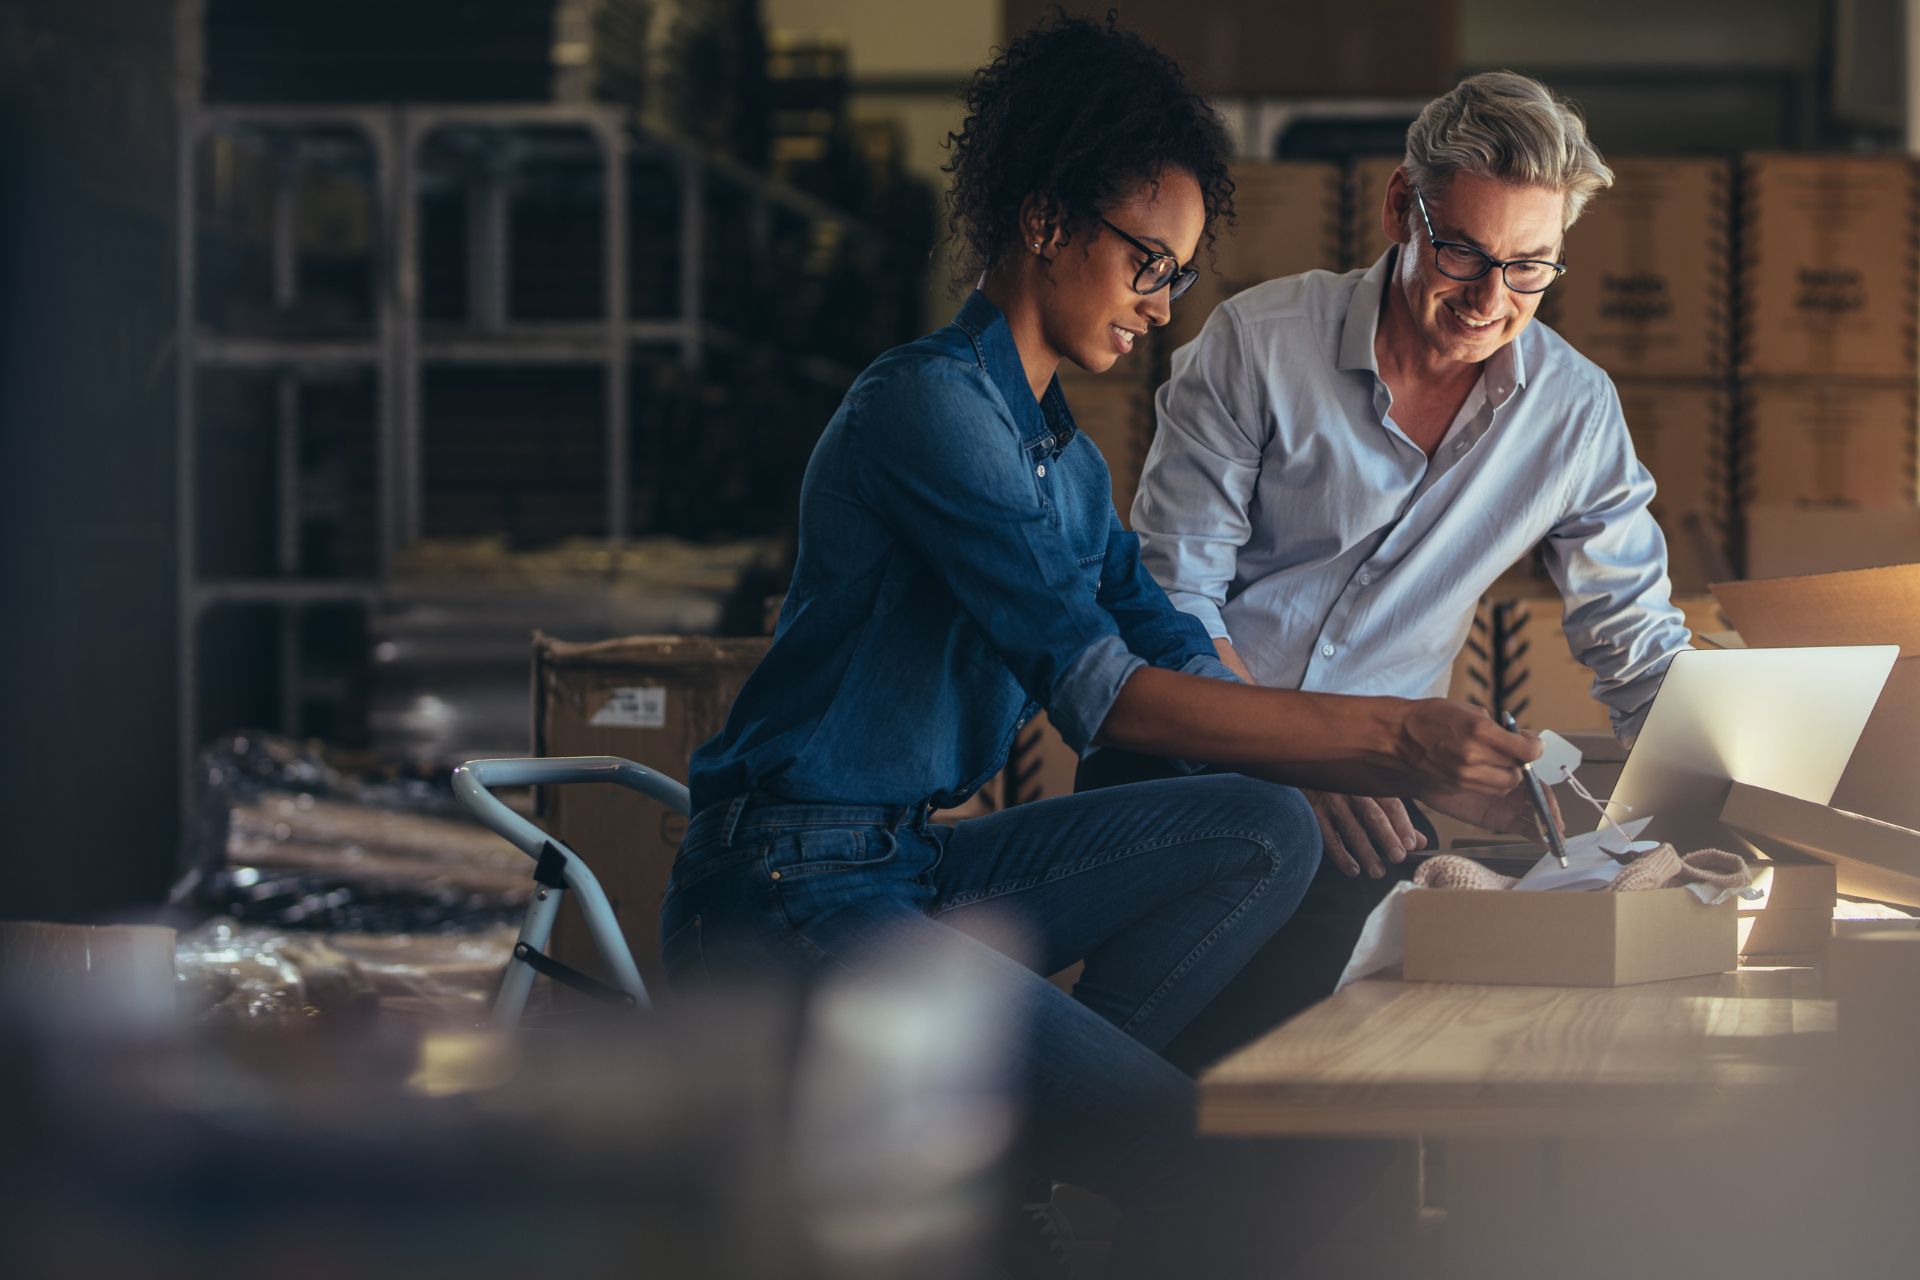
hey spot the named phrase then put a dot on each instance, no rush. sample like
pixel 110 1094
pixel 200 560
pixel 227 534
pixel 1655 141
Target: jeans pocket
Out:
pixel 685 956
pixel 826 850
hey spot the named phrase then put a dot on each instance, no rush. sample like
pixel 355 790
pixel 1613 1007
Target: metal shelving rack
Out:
pixel 399 347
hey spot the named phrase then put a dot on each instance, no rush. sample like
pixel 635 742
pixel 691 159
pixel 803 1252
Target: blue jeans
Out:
pixel 1165 889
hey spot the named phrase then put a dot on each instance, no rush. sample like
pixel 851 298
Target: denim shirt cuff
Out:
pixel 1206 664
pixel 1205 611
pixel 1085 691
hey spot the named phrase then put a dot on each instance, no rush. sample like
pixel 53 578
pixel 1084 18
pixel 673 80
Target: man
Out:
pixel 1345 463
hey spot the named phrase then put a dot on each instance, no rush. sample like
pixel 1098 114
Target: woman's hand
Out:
pixel 1450 746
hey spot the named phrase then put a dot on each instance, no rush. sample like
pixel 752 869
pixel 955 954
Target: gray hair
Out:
pixel 1503 125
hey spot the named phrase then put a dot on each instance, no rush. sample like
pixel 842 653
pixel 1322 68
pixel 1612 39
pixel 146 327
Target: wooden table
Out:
pixel 1386 1058
pixel 1553 1111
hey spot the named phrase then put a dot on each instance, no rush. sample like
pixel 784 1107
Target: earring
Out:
pixel 1036 246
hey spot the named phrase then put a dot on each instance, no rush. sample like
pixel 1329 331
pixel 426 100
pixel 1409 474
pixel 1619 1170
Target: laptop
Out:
pixel 1783 719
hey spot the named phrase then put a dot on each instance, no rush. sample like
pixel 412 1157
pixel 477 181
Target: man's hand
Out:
pixel 1359 832
pixel 1512 812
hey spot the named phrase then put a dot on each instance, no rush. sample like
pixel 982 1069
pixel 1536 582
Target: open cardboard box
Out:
pixel 1870 831
pixel 1565 939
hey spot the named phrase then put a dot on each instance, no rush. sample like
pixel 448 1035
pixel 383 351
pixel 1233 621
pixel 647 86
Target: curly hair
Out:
pixel 1077 115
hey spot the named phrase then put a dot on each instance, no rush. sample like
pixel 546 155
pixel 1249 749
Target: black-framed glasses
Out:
pixel 1159 271
pixel 1459 261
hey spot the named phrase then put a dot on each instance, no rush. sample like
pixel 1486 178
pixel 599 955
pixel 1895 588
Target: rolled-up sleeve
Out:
pixel 1609 560
pixel 950 477
pixel 1192 511
pixel 1152 627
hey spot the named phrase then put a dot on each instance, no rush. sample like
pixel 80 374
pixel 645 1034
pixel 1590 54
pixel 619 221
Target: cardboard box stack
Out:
pixel 1646 294
pixel 1826 351
pixel 1115 411
pixel 1647 297
pixel 1367 178
pixel 1682 430
pixel 653 700
pixel 1288 220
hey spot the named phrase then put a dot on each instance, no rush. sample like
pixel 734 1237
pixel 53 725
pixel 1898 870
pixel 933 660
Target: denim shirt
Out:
pixel 960 567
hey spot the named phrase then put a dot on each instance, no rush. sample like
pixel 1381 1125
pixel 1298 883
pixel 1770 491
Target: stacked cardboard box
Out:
pixel 1828 442
pixel 1646 294
pixel 1682 430
pixel 1367 178
pixel 1647 297
pixel 1827 352
pixel 651 699
pixel 1288 220
pixel 1115 411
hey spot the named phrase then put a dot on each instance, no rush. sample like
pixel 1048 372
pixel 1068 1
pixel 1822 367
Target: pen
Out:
pixel 1537 792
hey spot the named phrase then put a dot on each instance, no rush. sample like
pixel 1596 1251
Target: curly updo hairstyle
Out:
pixel 1077 115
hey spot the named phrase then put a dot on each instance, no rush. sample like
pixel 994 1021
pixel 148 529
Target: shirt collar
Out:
pixel 1506 369
pixel 993 346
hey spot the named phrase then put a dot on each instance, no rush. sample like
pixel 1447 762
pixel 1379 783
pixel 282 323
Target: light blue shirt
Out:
pixel 1283 507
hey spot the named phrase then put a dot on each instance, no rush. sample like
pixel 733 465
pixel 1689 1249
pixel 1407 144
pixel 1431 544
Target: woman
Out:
pixel 961 566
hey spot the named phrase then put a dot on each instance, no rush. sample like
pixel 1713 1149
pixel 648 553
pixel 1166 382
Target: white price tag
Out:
pixel 633 709
pixel 1558 759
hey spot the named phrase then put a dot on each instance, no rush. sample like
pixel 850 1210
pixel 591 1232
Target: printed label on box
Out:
pixel 633 709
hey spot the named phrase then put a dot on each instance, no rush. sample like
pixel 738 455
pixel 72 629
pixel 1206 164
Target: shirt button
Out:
pixel 1366 579
pixel 1326 651
pixel 1041 471
pixel 1047 443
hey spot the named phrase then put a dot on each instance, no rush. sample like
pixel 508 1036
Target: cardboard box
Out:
pixel 1682 432
pixel 1830 277
pixel 1868 606
pixel 651 699
pixel 1782 541
pixel 1871 859
pixel 1565 939
pixel 1367 179
pixel 1646 291
pixel 1287 221
pixel 1828 441
pixel 1115 410
pixel 1794 914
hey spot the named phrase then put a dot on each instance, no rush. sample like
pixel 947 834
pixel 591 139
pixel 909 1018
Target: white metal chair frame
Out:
pixel 558 869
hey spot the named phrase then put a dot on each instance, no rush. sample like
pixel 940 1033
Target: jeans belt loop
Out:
pixel 735 807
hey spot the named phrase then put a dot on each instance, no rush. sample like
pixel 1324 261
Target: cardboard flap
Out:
pixel 1861 606
pixel 1873 859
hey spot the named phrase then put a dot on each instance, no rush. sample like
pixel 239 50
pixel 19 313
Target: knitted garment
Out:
pixel 1663 868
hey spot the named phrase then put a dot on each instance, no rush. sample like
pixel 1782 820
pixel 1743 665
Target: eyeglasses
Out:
pixel 1159 271
pixel 1464 262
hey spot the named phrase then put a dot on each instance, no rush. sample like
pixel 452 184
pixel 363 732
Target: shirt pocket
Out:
pixel 1041 468
pixel 831 850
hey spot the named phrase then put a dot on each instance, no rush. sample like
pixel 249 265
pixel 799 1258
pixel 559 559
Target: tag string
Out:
pixel 1600 806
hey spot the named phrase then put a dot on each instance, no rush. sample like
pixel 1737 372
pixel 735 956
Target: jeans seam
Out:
pixel 1205 944
pixel 1057 874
